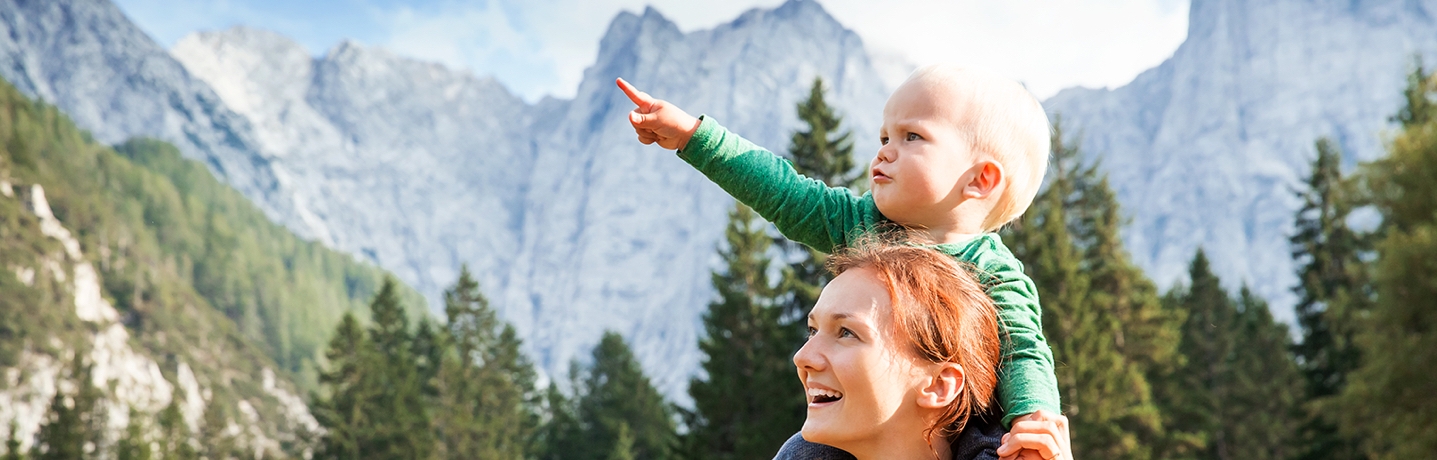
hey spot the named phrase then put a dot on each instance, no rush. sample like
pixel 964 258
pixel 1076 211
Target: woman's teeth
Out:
pixel 822 396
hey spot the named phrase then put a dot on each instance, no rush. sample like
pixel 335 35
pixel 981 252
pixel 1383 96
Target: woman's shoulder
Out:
pixel 979 440
pixel 797 448
pixel 980 437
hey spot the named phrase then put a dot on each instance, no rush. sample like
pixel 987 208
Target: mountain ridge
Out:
pixel 1205 149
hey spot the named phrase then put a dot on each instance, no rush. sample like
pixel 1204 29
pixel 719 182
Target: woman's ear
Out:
pixel 944 386
pixel 983 179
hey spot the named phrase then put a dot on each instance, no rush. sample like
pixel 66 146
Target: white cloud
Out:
pixel 1047 44
pixel 481 38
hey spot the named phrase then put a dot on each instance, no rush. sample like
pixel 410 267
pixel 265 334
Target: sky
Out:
pixel 541 47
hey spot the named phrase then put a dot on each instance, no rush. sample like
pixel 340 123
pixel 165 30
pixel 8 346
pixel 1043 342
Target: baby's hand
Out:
pixel 1037 436
pixel 656 120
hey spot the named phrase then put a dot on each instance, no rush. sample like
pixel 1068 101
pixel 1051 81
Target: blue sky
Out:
pixel 540 47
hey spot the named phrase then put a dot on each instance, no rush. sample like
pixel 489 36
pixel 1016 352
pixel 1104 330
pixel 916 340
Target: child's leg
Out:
pixel 796 448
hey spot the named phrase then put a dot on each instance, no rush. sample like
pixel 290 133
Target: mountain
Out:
pixel 1206 148
pixel 125 261
pixel 571 225
pixel 87 58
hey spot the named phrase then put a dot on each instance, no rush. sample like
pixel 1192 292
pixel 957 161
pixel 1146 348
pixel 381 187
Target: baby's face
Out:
pixel 917 175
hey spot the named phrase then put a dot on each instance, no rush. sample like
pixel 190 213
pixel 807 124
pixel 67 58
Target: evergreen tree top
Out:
pixel 821 150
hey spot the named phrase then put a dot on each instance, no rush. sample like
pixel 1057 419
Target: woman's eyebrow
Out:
pixel 832 317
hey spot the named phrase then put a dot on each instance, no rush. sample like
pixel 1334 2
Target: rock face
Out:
pixel 87 58
pixel 409 164
pixel 572 226
pixel 1205 149
pixel 128 377
pixel 621 236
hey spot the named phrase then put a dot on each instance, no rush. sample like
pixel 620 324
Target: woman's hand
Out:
pixel 1037 436
pixel 656 120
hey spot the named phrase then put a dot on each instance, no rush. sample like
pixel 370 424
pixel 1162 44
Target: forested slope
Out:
pixel 208 291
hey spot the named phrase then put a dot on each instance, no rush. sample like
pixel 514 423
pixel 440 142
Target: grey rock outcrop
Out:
pixel 1205 149
pixel 88 59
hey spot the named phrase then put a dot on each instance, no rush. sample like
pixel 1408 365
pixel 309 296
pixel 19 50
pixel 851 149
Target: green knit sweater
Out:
pixel 826 218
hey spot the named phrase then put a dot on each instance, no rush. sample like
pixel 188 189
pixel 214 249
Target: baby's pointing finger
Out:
pixel 639 98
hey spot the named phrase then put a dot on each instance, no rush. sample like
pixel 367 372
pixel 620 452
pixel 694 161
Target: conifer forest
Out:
pixel 1199 371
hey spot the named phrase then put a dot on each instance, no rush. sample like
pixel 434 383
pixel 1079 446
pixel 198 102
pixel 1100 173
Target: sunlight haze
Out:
pixel 542 47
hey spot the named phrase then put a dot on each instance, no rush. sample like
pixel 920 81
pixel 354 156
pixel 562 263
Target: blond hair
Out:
pixel 1003 120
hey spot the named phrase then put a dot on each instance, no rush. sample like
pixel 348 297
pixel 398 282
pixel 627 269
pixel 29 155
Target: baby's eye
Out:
pixel 914 136
pixel 883 140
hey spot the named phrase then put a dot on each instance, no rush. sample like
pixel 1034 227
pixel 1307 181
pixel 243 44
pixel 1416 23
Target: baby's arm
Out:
pixel 1026 378
pixel 804 209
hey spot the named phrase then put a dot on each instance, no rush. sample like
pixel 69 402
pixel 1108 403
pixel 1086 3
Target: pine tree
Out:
pixel 401 420
pixel 1194 399
pixel 823 150
pixel 1236 394
pixel 1332 294
pixel 485 386
pixel 561 436
pixel 513 394
pixel 1391 399
pixel 344 413
pixel 135 445
pixel 1101 315
pixel 615 391
pixel 1262 416
pixel 748 402
pixel 376 405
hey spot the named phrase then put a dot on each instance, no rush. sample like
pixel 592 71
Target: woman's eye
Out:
pixel 845 333
pixel 812 331
pixel 914 136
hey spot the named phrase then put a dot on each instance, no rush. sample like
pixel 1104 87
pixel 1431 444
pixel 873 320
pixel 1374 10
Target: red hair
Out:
pixel 945 313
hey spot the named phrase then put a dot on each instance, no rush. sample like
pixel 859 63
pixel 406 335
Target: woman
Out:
pixel 901 360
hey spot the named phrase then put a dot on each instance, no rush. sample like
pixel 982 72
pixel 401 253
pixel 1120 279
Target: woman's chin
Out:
pixel 822 428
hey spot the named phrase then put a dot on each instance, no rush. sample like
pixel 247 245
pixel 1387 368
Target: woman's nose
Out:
pixel 808 357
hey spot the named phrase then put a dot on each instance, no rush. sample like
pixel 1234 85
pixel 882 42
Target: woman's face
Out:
pixel 860 380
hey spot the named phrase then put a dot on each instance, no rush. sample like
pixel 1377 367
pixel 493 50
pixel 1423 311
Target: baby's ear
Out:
pixel 984 178
pixel 945 384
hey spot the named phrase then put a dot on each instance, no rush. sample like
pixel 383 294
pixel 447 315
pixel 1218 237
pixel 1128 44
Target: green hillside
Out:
pixel 195 269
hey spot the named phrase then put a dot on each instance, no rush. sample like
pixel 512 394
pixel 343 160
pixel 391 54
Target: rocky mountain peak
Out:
pixel 1205 149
